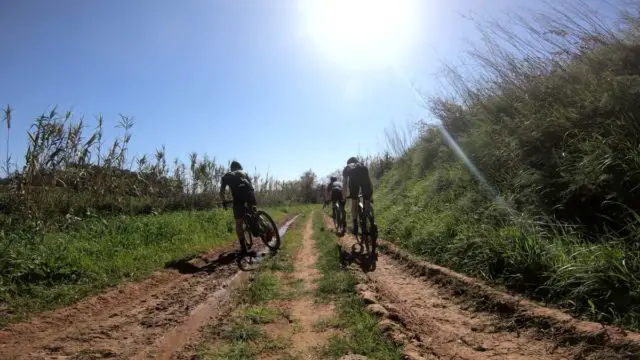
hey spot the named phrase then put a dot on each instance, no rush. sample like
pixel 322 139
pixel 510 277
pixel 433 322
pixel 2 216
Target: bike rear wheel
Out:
pixel 364 238
pixel 248 237
pixel 269 230
pixel 373 231
pixel 342 220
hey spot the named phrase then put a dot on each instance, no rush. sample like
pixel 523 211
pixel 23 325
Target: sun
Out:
pixel 360 33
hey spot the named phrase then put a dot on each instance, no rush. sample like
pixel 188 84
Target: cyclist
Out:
pixel 335 194
pixel 355 178
pixel 242 192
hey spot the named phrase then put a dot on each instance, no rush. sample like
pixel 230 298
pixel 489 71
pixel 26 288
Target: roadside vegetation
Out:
pixel 530 177
pixel 81 214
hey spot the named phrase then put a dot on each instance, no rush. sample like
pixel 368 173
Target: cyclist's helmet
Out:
pixel 333 179
pixel 235 166
pixel 352 160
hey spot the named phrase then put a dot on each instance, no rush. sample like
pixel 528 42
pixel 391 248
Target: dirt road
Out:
pixel 157 317
pixel 305 311
pixel 446 327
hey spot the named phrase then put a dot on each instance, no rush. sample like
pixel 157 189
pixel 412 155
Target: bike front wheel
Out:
pixel 364 237
pixel 371 231
pixel 269 230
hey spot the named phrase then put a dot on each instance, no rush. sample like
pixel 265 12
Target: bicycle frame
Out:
pixel 257 224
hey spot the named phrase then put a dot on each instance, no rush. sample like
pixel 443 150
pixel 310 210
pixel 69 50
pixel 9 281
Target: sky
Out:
pixel 280 85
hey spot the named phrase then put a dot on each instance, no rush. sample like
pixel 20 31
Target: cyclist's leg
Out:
pixel 335 197
pixel 354 215
pixel 333 209
pixel 343 212
pixel 238 215
pixel 367 188
pixel 366 203
pixel 354 190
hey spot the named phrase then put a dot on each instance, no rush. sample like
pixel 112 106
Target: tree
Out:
pixel 307 187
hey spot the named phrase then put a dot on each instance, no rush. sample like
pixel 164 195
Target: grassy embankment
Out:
pixel 552 124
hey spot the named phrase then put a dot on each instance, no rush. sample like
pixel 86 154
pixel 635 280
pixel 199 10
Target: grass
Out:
pixel 54 269
pixel 264 287
pixel 358 330
pixel 260 314
pixel 550 206
pixel 243 332
pixel 231 351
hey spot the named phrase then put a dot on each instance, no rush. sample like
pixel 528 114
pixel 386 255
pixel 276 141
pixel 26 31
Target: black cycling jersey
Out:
pixel 241 190
pixel 336 185
pixel 238 181
pixel 358 178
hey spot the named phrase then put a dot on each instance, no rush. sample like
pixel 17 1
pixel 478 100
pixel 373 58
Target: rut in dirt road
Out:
pixel 153 318
pixel 445 326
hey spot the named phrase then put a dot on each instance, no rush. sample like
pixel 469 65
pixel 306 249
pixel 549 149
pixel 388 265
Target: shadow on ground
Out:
pixel 196 264
pixel 366 262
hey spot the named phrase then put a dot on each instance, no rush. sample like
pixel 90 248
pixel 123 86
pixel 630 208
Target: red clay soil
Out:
pixel 151 318
pixel 440 308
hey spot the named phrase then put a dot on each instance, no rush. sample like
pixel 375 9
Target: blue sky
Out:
pixel 235 79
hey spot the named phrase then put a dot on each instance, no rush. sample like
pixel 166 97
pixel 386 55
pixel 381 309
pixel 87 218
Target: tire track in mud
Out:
pixel 446 327
pixel 137 320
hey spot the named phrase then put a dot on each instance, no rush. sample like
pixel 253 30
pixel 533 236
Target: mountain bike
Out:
pixel 339 216
pixel 368 234
pixel 257 224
